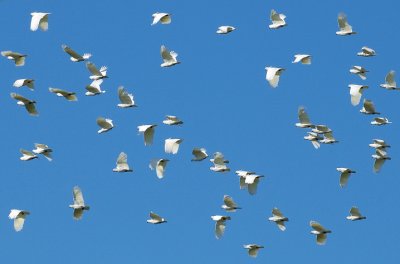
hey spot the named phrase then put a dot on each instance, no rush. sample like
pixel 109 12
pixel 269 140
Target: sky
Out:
pixel 220 92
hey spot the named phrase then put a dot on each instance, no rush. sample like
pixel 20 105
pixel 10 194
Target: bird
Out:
pixel 70 96
pixel 172 120
pixel 75 57
pixel 366 52
pixel 278 218
pixel 328 139
pixel 303 118
pixel 303 58
pixel 314 138
pixel 27 155
pixel 105 124
pixel 18 58
pixel 356 91
pixel 380 157
pixel 344 27
pixel 43 149
pixel 380 121
pixel 94 88
pixel 229 204
pixel 278 20
pixel 29 104
pixel 359 71
pixel 390 83
pixel 320 231
pixel 79 204
pixel 126 99
pixel 199 154
pixel 252 249
pixel 379 144
pixel 225 29
pixel 172 145
pixel 163 18
pixel 272 76
pixel 155 219
pixel 219 163
pixel 159 165
pixel 148 132
pixel 30 83
pixel 355 214
pixel 19 218
pixel 122 163
pixel 41 20
pixel 369 108
pixel 344 176
pixel 169 57
pixel 96 74
pixel 321 129
pixel 252 181
pixel 220 221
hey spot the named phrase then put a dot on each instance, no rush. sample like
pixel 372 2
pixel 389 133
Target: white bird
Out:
pixel 278 20
pixel 344 26
pixel 27 155
pixel 172 120
pixel 172 145
pixel 379 144
pixel 380 157
pixel 18 58
pixel 380 121
pixel 220 224
pixel 355 214
pixel 41 20
pixel 328 139
pixel 303 58
pixel 252 181
pixel 366 52
pixel 368 108
pixel 390 83
pixel 356 91
pixel 303 118
pixel 159 165
pixel 273 75
pixel 314 139
pixel 225 29
pixel 19 218
pixel 105 124
pixel 29 104
pixel 199 154
pixel 344 176
pixel 30 83
pixel 94 88
pixel 70 96
pixel 320 231
pixel 169 57
pixel 148 132
pixel 79 204
pixel 278 218
pixel 126 99
pixel 44 150
pixel 75 57
pixel 252 249
pixel 96 74
pixel 219 163
pixel 242 177
pixel 359 71
pixel 229 204
pixel 321 129
pixel 155 219
pixel 122 163
pixel 164 18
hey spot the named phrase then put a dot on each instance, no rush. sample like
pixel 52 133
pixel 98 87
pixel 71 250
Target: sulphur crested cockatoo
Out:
pixel 105 124
pixel 278 218
pixel 19 218
pixel 155 219
pixel 252 249
pixel 169 57
pixel 344 27
pixel 79 204
pixel 75 57
pixel 320 231
pixel 126 99
pixel 18 58
pixel 29 104
pixel 122 163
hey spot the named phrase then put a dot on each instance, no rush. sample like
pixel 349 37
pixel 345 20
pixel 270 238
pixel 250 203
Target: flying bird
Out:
pixel 380 157
pixel 105 124
pixel 321 129
pixel 126 99
pixel 252 249
pixel 172 145
pixel 29 104
pixel 19 218
pixel 199 154
pixel 366 52
pixel 18 58
pixel 273 75
pixel 359 71
pixel 225 29
pixel 70 96
pixel 380 121
pixel 94 88
pixel 163 18
pixel 30 83
pixel 390 83
pixel 159 165
pixel 41 20
pixel 155 219
pixel 344 176
pixel 148 132
pixel 43 149
pixel 278 20
pixel 220 221
pixel 122 163
pixel 219 163
pixel 379 144
pixel 169 57
pixel 79 204
pixel 303 58
pixel 96 74
pixel 229 204
pixel 328 139
pixel 303 118
pixel 75 57
pixel 278 218
pixel 356 91
pixel 369 108
pixel 27 155
pixel 320 231
pixel 172 120
pixel 355 214
pixel 344 27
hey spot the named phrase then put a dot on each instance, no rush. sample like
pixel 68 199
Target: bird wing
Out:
pixel 321 239
pixel 44 22
pixel 253 252
pixel 281 225
pixel 343 24
pixel 273 76
pixel 303 117
pixel 252 187
pixel 124 96
pixel 20 98
pixel 27 152
pixel 93 70
pixel 199 153
pixel 169 145
pixel 355 212
pixel 103 123
pixel 19 222
pixel 166 55
pixel 355 93
pixel 229 201
pixel 78 213
pixel 148 135
pixel 276 18
pixel 156 18
pixel 160 168
pixel 71 52
pixel 155 216
pixel 31 108
pixel 19 83
pixel 219 229
pixel 277 212
pixel 165 19
pixel 378 164
pixel 78 197
pixel 390 78
pixel 122 158
pixel 344 177
pixel 317 226
pixel 369 106
pixel 36 17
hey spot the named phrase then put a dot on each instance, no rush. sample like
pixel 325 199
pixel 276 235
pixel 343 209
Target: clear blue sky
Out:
pixel 220 92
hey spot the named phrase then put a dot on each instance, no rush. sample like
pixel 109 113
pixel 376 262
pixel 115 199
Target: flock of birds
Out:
pixel 319 134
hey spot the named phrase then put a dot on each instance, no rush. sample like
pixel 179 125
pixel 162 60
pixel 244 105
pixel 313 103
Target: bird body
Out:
pixel 390 83
pixel 219 163
pixel 368 108
pixel 303 118
pixel 380 121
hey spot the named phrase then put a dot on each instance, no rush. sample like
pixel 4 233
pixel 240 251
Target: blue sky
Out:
pixel 220 92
